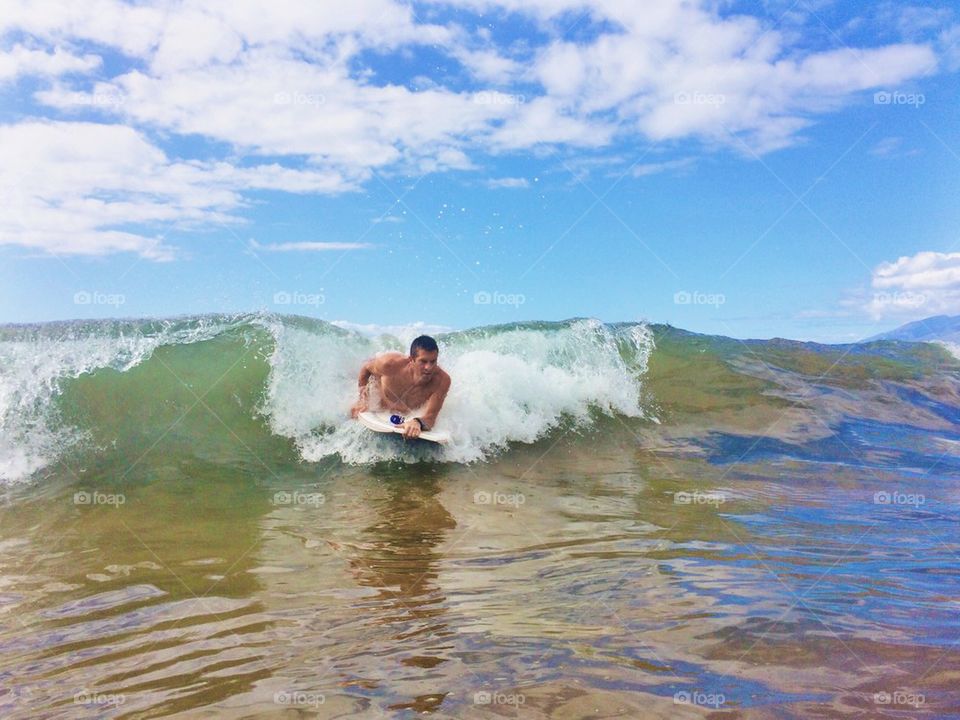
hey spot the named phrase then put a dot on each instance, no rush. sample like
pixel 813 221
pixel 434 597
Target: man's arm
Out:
pixel 434 403
pixel 366 372
pixel 374 367
pixel 369 369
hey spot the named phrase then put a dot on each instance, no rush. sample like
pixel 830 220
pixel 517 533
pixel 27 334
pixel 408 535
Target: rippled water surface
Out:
pixel 729 530
pixel 579 577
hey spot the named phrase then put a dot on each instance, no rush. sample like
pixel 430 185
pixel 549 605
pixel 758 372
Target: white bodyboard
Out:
pixel 379 421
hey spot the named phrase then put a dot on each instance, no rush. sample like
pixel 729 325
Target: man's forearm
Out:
pixel 362 381
pixel 428 419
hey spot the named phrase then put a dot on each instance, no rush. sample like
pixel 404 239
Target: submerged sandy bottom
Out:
pixel 578 577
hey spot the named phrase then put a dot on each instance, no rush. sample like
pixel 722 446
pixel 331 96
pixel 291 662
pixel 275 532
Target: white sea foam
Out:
pixel 953 348
pixel 33 366
pixel 508 386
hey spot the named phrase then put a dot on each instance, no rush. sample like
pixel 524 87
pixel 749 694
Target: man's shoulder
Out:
pixel 391 360
pixel 444 380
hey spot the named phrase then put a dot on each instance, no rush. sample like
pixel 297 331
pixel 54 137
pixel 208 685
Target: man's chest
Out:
pixel 406 393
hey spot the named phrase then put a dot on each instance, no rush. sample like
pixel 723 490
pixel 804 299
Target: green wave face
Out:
pixel 259 390
pixel 236 389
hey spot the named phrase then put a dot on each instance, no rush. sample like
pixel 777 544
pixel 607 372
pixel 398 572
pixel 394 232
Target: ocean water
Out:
pixel 632 521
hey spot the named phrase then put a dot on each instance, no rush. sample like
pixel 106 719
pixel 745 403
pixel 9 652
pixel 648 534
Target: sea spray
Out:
pixel 36 361
pixel 99 386
pixel 510 384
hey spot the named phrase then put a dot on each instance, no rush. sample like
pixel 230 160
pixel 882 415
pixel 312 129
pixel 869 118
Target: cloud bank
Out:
pixel 295 98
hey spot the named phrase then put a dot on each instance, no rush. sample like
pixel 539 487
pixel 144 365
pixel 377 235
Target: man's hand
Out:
pixel 359 406
pixel 362 404
pixel 411 429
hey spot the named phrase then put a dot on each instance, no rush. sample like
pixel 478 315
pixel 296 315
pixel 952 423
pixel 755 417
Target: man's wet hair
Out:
pixel 425 343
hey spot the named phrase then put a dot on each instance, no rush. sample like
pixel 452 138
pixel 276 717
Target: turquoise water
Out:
pixel 634 521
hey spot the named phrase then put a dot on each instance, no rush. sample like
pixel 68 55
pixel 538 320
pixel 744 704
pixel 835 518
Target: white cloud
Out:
pixel 669 165
pixel 913 21
pixel 76 188
pixel 291 82
pixel 508 182
pixel 19 61
pixel 918 285
pixel 309 246
pixel 274 105
pixel 488 65
pixel 217 70
pixel 949 41
pixel 159 30
pixel 893 147
pixel 133 29
pixel 545 121
pixel 887 147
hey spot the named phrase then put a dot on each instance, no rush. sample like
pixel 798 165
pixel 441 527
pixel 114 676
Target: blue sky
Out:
pixel 745 169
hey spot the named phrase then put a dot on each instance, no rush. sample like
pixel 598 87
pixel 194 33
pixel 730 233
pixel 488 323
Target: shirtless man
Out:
pixel 406 383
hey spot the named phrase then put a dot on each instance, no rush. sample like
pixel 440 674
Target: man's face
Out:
pixel 424 364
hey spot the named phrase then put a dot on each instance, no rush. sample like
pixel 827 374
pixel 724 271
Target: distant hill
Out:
pixel 938 327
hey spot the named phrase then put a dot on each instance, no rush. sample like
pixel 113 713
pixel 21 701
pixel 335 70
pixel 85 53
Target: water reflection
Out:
pixel 581 585
pixel 122 606
pixel 398 557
